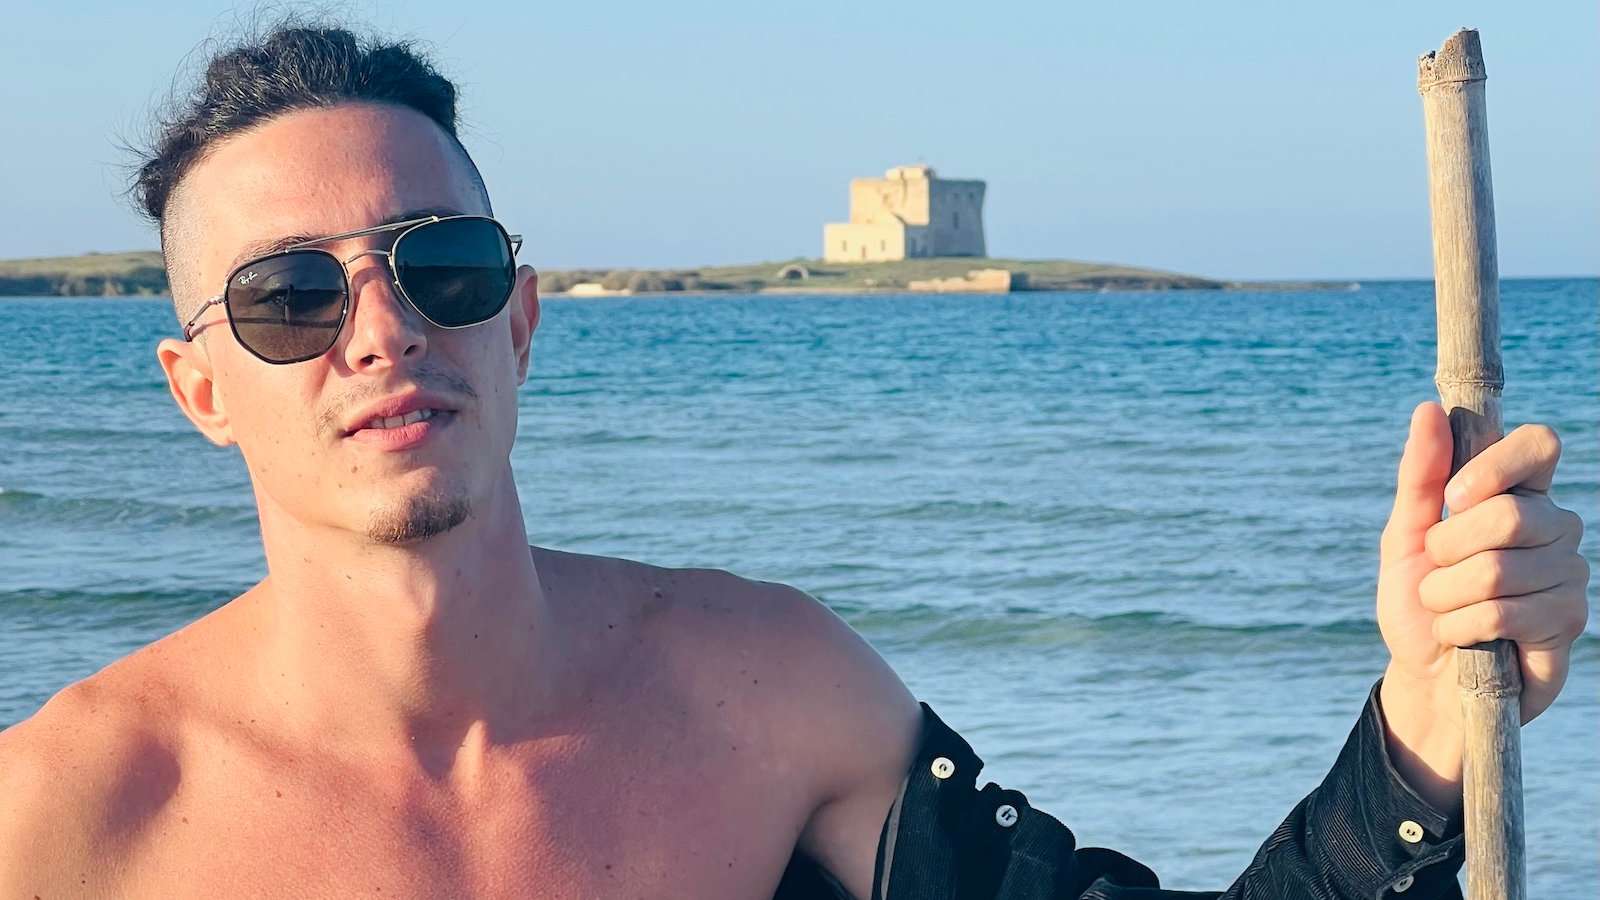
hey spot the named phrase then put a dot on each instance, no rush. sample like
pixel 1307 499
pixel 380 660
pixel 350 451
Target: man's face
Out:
pixel 300 426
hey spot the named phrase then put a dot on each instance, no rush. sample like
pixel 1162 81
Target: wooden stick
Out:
pixel 1467 293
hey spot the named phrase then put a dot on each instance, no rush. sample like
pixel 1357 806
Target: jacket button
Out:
pixel 1006 815
pixel 1404 884
pixel 942 768
pixel 1410 832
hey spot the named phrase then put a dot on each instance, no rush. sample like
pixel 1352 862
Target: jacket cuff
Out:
pixel 1370 833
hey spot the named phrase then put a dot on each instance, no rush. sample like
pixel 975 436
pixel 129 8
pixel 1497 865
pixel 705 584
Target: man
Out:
pixel 416 703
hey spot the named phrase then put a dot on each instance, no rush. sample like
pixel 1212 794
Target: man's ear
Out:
pixel 524 317
pixel 189 375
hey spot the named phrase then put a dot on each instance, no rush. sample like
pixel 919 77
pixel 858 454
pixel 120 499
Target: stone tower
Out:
pixel 908 213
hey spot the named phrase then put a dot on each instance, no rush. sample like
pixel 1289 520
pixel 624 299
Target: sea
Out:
pixel 1125 543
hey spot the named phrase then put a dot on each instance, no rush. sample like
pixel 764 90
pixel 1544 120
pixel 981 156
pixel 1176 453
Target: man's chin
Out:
pixel 417 519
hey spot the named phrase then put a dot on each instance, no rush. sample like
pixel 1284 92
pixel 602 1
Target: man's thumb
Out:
pixel 1419 489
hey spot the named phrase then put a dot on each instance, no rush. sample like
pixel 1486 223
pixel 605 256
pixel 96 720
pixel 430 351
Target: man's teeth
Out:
pixel 421 415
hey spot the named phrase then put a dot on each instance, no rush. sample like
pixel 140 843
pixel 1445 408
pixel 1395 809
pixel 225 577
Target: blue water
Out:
pixel 1125 543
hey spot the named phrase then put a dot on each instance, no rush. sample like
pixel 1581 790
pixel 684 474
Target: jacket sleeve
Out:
pixel 1362 833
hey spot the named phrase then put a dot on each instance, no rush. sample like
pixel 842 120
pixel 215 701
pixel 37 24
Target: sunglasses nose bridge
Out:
pixel 386 273
pixel 382 321
pixel 373 251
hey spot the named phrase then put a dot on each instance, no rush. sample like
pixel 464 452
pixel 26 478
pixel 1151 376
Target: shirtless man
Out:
pixel 416 703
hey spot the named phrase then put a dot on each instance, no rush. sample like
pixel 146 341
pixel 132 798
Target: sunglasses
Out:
pixel 290 306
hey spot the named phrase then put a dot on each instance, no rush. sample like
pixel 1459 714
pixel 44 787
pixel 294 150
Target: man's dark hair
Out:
pixel 290 67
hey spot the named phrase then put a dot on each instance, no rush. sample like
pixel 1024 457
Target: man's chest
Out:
pixel 632 824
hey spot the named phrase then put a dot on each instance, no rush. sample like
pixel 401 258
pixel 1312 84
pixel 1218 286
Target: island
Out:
pixel 140 273
pixel 910 231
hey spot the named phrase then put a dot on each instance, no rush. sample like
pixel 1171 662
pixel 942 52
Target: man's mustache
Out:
pixel 332 416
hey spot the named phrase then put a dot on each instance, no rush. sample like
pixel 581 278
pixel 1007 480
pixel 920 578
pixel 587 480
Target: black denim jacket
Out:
pixel 1363 833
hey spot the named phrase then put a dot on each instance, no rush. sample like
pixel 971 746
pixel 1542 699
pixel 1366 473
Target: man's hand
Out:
pixel 1505 564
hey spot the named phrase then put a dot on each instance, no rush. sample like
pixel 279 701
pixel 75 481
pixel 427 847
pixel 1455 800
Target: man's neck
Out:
pixel 428 646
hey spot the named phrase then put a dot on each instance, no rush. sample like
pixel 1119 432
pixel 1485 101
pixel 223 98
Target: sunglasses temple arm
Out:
pixel 189 325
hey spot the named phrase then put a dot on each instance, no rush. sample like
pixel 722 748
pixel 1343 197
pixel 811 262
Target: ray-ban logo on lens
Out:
pixel 246 279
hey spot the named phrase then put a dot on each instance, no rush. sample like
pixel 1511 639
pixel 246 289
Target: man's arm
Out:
pixel 1361 834
pixel 850 718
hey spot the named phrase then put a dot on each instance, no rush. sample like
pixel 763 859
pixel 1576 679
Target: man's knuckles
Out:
pixel 1543 442
pixel 1571 528
pixel 1548 620
pixel 1503 521
pixel 1497 573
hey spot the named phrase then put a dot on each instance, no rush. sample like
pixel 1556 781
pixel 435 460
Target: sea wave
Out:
pixel 976 625
pixel 136 615
pixel 1023 629
pixel 23 508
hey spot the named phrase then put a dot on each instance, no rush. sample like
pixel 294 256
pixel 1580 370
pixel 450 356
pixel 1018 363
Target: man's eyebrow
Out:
pixel 269 246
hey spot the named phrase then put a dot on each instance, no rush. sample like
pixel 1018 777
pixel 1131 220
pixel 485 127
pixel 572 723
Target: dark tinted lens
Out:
pixel 287 308
pixel 457 271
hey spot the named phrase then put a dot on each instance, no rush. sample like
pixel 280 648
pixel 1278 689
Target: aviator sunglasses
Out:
pixel 289 306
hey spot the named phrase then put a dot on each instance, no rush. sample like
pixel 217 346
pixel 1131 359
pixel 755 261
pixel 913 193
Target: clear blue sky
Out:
pixel 1260 139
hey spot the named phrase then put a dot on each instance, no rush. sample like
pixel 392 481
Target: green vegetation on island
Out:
pixel 92 275
pixel 140 273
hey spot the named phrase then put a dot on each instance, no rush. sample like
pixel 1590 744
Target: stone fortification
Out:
pixel 909 213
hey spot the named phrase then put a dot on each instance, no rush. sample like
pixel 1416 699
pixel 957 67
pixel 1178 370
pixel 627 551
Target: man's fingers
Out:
pixel 1525 458
pixel 1419 487
pixel 1543 621
pixel 1499 574
pixel 1502 521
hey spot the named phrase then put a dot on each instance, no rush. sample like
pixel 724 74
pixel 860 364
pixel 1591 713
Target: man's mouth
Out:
pixel 400 421
pixel 403 432
pixel 420 415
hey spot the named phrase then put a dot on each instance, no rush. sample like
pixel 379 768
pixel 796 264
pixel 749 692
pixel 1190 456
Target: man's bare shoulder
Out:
pixel 114 719
pixel 762 641
pixel 777 662
pixel 78 778
pixel 97 762
pixel 776 659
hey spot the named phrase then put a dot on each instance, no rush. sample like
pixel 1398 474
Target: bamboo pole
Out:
pixel 1467 295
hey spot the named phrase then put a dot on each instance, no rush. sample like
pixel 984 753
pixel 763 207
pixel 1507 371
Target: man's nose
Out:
pixel 383 329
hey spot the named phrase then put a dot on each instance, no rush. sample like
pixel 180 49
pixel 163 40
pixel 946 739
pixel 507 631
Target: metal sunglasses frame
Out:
pixel 513 242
